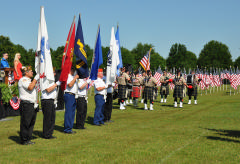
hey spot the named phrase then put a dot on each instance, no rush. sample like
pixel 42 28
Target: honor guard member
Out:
pixel 164 89
pixel 82 103
pixel 179 82
pixel 108 105
pixel 100 92
pixel 70 101
pixel 149 83
pixel 142 79
pixel 28 97
pixel 137 81
pixel 192 82
pixel 122 82
pixel 48 104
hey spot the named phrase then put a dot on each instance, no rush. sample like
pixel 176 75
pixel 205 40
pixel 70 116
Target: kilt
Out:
pixel 122 91
pixel 192 92
pixel 148 93
pixel 178 91
pixel 164 90
pixel 136 91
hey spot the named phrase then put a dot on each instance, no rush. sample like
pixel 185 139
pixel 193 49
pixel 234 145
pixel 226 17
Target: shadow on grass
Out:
pixel 17 139
pixel 59 128
pixel 229 133
pixel 89 120
pixel 222 139
pixel 38 133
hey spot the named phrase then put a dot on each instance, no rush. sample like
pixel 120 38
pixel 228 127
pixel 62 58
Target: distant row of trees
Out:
pixel 213 55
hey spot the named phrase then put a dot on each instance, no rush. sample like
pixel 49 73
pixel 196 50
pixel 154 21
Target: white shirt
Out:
pixel 24 93
pixel 82 92
pixel 73 89
pixel 99 83
pixel 50 95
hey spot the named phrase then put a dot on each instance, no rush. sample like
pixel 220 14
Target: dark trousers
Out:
pixel 70 107
pixel 28 118
pixel 108 107
pixel 81 112
pixel 49 115
pixel 98 115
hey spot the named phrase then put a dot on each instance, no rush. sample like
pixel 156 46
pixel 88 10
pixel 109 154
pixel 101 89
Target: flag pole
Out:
pixel 148 60
pixel 94 48
pixel 69 39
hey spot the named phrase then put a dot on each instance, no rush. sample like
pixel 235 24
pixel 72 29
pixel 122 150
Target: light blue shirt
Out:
pixel 4 63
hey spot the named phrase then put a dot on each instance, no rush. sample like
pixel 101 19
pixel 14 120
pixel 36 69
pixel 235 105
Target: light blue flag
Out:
pixel 120 65
pixel 97 57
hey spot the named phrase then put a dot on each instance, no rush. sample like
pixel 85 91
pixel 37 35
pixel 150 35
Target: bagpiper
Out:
pixel 137 81
pixel 192 82
pixel 179 82
pixel 149 82
pixel 164 90
pixel 122 81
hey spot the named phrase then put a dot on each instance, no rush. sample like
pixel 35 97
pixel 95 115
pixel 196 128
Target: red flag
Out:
pixel 67 56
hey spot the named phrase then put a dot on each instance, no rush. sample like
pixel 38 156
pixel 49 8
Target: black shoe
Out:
pixel 81 128
pixel 24 142
pixel 71 132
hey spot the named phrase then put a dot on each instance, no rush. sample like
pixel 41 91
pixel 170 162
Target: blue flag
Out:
pixel 119 52
pixel 80 52
pixel 97 57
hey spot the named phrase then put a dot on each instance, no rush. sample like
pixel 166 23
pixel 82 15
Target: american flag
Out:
pixel 233 79
pixel 157 75
pixel 15 102
pixel 145 62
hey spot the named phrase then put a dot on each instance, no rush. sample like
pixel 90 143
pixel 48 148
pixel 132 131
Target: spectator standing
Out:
pixel 17 68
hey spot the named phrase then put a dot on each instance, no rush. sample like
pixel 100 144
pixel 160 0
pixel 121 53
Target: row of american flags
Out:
pixel 214 78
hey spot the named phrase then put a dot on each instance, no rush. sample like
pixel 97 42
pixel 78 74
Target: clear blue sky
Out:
pixel 159 22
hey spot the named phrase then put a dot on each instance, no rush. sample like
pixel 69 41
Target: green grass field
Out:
pixel 205 133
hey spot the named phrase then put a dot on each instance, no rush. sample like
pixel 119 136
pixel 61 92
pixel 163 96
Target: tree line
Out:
pixel 213 55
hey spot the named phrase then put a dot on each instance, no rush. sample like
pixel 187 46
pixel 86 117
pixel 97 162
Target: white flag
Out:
pixel 113 59
pixel 43 60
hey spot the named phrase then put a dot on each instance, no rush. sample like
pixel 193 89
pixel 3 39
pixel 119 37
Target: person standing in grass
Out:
pixel 100 92
pixel 142 79
pixel 122 82
pixel 137 81
pixel 81 103
pixel 70 101
pixel 164 90
pixel 149 83
pixel 179 82
pixel 48 108
pixel 28 97
pixel 192 87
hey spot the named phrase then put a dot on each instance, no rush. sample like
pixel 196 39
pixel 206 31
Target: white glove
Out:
pixel 88 81
pixel 36 77
pixel 58 83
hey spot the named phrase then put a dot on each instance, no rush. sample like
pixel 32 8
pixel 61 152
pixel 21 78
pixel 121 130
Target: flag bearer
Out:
pixel 28 112
pixel 48 104
pixel 122 81
pixel 70 101
pixel 179 82
pixel 100 92
pixel 164 90
pixel 192 87
pixel 149 83
pixel 82 103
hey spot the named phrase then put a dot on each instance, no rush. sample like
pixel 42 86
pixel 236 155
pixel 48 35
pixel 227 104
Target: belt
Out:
pixel 70 93
pixel 81 96
pixel 136 85
pixel 26 101
pixel 99 94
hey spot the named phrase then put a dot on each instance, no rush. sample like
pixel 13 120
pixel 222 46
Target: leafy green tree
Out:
pixel 215 54
pixel 237 62
pixel 177 56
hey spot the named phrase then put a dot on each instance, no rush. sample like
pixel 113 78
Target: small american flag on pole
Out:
pixel 145 62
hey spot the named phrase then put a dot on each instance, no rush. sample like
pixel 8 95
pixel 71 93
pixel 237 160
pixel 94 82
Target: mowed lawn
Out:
pixel 205 133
